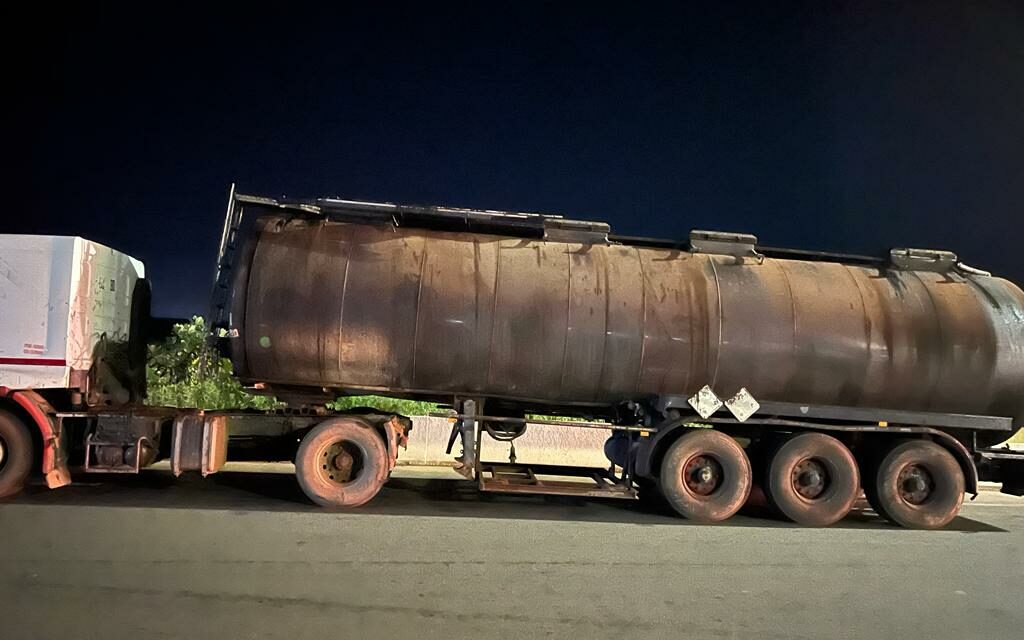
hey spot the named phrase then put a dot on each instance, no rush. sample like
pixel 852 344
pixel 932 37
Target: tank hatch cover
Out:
pixel 739 245
pixel 923 260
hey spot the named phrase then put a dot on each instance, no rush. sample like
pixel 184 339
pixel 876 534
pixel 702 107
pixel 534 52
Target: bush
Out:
pixel 175 377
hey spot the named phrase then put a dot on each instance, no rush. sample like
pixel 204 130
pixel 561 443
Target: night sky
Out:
pixel 819 126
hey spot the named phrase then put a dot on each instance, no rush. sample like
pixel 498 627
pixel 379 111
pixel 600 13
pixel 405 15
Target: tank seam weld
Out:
pixel 643 320
pixel 867 330
pixel 494 311
pixel 341 314
pixel 321 351
pixel 416 325
pixel 568 322
pixel 792 309
pixel 938 324
pixel 721 324
pixel 604 342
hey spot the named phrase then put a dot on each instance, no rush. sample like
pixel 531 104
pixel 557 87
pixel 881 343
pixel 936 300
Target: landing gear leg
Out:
pixel 469 429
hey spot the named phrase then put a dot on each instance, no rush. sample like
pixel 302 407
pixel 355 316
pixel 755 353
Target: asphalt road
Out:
pixel 243 555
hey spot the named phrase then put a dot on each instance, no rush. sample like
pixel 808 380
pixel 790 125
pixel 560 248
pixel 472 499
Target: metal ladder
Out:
pixel 217 316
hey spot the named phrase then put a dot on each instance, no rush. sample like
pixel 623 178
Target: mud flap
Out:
pixel 397 435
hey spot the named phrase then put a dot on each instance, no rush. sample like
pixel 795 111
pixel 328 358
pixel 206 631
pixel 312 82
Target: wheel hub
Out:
pixel 702 475
pixel 3 453
pixel 810 478
pixel 341 462
pixel 915 484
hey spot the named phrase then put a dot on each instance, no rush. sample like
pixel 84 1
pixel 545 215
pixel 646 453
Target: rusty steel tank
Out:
pixel 591 320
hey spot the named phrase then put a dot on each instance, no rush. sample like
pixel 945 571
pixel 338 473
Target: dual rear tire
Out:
pixel 812 479
pixel 916 484
pixel 705 476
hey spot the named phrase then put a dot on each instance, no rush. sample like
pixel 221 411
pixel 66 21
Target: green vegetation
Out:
pixel 183 371
pixel 385 405
pixel 176 375
pixel 540 417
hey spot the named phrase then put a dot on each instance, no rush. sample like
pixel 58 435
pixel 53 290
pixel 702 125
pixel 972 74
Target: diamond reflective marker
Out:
pixel 742 405
pixel 705 402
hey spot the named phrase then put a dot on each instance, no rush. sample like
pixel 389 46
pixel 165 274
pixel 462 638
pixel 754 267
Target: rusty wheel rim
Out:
pixel 340 462
pixel 915 484
pixel 810 478
pixel 702 475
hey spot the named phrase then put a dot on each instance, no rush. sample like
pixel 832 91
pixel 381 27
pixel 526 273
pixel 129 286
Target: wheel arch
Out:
pixel 960 454
pixel 652 450
pixel 36 412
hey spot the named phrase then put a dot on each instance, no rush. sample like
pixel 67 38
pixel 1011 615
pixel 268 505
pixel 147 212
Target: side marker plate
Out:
pixel 705 402
pixel 742 405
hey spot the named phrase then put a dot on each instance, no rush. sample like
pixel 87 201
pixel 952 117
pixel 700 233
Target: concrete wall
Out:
pixel 540 445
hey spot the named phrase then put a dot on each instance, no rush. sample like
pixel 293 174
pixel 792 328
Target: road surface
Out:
pixel 244 555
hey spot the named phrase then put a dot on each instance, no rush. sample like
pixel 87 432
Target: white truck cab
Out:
pixel 65 303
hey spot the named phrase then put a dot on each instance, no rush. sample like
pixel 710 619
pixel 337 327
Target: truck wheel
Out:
pixel 341 463
pixel 705 476
pixel 16 454
pixel 813 480
pixel 918 485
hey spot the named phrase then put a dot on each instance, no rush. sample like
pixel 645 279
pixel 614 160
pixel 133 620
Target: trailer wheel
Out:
pixel 705 476
pixel 813 480
pixel 918 485
pixel 16 454
pixel 341 463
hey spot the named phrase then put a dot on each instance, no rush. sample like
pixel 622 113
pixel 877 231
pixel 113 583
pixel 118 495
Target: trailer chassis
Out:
pixel 650 437
pixel 643 435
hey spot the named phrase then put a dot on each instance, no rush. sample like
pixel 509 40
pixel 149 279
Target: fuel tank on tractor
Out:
pixel 325 304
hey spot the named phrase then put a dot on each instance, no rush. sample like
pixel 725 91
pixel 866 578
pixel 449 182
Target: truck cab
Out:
pixel 72 317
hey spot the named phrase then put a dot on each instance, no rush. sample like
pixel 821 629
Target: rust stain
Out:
pixel 436 313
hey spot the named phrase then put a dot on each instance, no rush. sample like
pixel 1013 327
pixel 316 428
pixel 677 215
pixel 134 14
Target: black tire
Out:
pixel 812 479
pixel 917 485
pixel 16 454
pixel 648 494
pixel 341 462
pixel 717 476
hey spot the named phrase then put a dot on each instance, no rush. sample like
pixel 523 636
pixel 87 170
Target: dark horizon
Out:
pixel 842 128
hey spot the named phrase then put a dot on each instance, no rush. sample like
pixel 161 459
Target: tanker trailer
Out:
pixel 710 360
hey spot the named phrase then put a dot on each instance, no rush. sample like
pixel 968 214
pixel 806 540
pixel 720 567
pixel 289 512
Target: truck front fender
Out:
pixel 43 415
